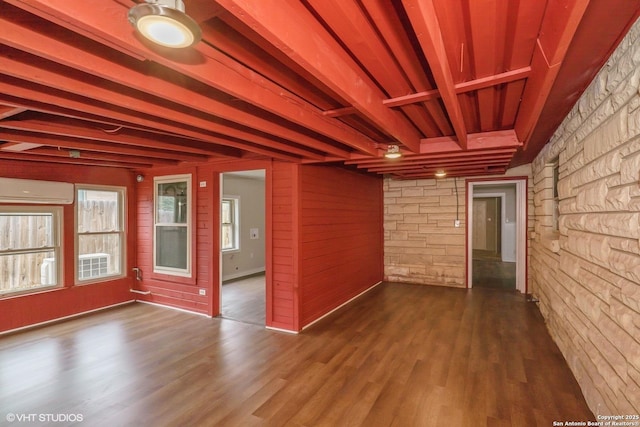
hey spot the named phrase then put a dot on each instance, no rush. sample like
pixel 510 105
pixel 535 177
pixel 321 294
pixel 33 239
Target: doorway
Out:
pixel 496 234
pixel 243 246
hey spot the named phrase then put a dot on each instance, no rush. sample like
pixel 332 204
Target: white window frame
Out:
pixel 122 233
pixel 555 214
pixel 56 241
pixel 235 200
pixel 168 179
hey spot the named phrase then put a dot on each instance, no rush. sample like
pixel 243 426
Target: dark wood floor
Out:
pixel 401 355
pixel 245 299
pixel 489 271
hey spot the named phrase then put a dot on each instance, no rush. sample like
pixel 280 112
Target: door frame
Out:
pixel 521 183
pixel 216 271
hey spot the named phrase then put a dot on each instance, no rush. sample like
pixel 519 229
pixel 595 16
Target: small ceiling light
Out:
pixel 393 152
pixel 165 23
pixel 440 174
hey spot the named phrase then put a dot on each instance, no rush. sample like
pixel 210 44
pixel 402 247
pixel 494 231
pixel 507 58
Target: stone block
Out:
pixel 412 192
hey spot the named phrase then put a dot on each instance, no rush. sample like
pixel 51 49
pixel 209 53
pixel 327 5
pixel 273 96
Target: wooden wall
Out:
pixel 24 310
pixel 176 291
pixel 283 294
pixel 323 233
pixel 341 235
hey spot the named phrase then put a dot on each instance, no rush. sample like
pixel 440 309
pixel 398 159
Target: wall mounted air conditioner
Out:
pixel 32 191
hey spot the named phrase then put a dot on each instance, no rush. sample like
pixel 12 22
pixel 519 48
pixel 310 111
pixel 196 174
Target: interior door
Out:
pixel 479 224
pixel 486 224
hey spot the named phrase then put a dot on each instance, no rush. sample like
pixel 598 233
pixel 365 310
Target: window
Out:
pixel 172 248
pixel 30 248
pixel 229 219
pixel 556 199
pixel 100 233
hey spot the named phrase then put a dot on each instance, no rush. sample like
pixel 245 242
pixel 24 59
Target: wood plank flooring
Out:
pixel 401 355
pixel 489 271
pixel 245 299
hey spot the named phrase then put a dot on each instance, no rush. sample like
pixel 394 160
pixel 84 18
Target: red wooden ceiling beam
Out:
pixel 487 42
pixel 7 111
pixel 287 27
pixel 455 174
pixel 91 113
pixel 389 25
pixel 68 160
pixel 497 139
pixel 523 27
pixel 79 110
pixel 123 136
pixel 485 82
pixel 362 160
pixel 442 164
pixel 70 81
pixel 362 39
pixel 559 25
pixel 107 21
pixel 423 17
pixel 80 144
pixel 140 161
pixel 339 112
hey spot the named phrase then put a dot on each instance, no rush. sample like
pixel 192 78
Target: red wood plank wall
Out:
pixel 176 291
pixel 285 224
pixel 24 310
pixel 324 225
pixel 341 235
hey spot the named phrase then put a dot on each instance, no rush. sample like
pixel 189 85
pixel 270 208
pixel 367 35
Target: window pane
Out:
pixel 171 247
pixel 226 212
pixel 98 211
pixel 171 207
pixel 227 236
pixel 26 231
pixel 23 272
pixel 101 250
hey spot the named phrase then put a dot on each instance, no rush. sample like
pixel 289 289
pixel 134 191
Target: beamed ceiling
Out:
pixel 469 86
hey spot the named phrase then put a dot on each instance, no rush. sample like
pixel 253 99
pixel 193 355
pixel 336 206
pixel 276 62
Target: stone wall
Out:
pixel 421 243
pixel 587 273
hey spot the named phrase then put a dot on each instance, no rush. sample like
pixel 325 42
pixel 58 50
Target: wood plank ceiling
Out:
pixel 468 86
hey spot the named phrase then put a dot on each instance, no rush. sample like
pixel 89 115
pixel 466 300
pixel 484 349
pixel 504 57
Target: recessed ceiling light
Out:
pixel 440 174
pixel 165 23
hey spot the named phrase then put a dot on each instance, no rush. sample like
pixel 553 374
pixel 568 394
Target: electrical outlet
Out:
pixel 202 292
pixel 456 223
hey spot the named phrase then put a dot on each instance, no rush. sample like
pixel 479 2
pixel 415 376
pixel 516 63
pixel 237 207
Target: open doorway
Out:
pixel 243 247
pixel 496 234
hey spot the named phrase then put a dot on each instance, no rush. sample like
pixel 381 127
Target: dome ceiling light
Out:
pixel 393 152
pixel 165 23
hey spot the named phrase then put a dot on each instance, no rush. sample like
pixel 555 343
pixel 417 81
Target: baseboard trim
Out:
pixel 61 319
pixel 288 331
pixel 341 305
pixel 184 310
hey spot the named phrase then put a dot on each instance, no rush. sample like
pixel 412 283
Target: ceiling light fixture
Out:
pixel 165 23
pixel 440 174
pixel 393 152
